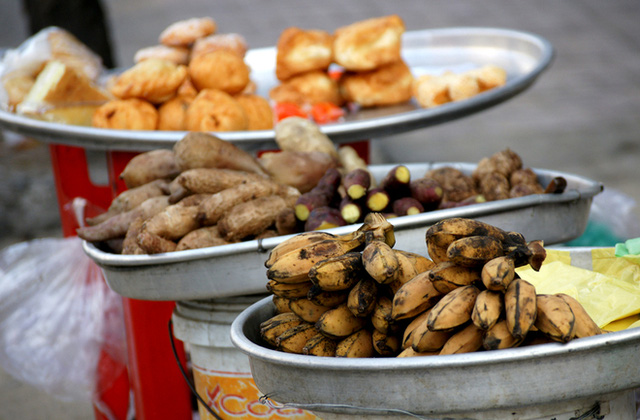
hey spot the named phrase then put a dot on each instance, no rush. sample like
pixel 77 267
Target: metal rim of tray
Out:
pixel 94 138
pixel 472 211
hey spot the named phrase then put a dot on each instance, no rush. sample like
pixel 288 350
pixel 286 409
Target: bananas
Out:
pixel 354 295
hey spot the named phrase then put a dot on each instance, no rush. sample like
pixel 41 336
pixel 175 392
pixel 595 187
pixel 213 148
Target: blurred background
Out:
pixel 582 116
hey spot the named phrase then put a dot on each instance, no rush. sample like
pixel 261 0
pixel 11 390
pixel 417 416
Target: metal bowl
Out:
pixel 546 376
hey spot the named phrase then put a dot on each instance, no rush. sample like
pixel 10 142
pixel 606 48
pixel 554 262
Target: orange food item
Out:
pixel 231 42
pixel 154 80
pixel 171 114
pixel 284 110
pixel 126 114
pixel 308 88
pixel 215 110
pixel 185 32
pixel 221 70
pixel 326 112
pixel 300 51
pixel 258 110
pixel 387 85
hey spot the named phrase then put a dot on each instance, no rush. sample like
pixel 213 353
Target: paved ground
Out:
pixel 582 116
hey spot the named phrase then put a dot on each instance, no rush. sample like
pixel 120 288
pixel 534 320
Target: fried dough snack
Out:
pixel 185 32
pixel 126 114
pixel 177 55
pixel 172 114
pixel 231 42
pixel 308 88
pixel 215 110
pixel 369 43
pixel 154 80
pixel 221 70
pixel 258 111
pixel 488 76
pixel 300 51
pixel 388 85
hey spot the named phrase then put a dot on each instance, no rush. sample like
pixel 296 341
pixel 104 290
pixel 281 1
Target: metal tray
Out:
pixel 238 269
pixel 525 56
pixel 499 381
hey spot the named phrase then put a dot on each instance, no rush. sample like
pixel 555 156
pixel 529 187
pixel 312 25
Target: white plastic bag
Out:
pixel 56 317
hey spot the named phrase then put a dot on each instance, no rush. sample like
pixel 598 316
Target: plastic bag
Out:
pixel 58 319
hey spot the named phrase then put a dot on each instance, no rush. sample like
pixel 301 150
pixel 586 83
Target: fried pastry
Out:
pixel 215 110
pixel 185 32
pixel 220 70
pixel 308 88
pixel 187 88
pixel 258 111
pixel 171 114
pixel 177 55
pixel 231 42
pixel 431 91
pixel 488 76
pixel 153 80
pixel 368 44
pixel 388 85
pixel 126 114
pixel 299 51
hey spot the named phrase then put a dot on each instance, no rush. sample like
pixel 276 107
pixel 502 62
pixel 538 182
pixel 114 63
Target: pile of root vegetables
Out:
pixel 355 295
pixel 208 192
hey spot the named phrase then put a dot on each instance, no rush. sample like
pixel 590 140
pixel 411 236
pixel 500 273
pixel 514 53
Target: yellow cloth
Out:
pixel 609 292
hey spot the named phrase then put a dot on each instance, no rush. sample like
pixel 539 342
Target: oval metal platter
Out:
pixel 523 55
pixel 583 371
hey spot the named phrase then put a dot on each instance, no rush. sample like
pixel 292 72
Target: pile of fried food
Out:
pixel 196 79
pixel 354 295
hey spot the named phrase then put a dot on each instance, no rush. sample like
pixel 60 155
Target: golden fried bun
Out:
pixel 171 114
pixel 368 44
pixel 187 88
pixel 231 42
pixel 308 88
pixel 430 91
pixel 488 76
pixel 300 51
pixel 154 80
pixel 215 110
pixel 387 85
pixel 177 55
pixel 220 70
pixel 185 32
pixel 126 114
pixel 258 111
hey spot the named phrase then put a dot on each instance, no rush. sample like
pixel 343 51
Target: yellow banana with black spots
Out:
pixel 453 310
pixel 520 307
pixel 357 344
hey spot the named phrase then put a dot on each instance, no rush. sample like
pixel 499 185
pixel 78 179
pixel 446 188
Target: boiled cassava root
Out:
pixel 354 295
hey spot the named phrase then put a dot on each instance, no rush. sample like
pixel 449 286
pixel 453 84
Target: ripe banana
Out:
pixel 380 262
pixel 421 263
pixel 377 227
pixel 520 307
pixel 281 304
pixel 555 318
pixel 499 337
pixel 294 266
pixel 410 352
pixel 426 340
pixel 454 309
pixel 294 339
pixel 498 273
pixel 289 290
pixel 385 345
pixel 337 273
pixel 474 251
pixel 381 316
pixel 463 227
pixel 411 264
pixel 447 276
pixel 414 297
pixel 585 325
pixel 339 322
pixel 320 345
pixel 409 331
pixel 276 325
pixel 322 298
pixel 467 340
pixel 363 297
pixel 296 242
pixel 437 245
pixel 357 344
pixel 307 310
pixel 487 309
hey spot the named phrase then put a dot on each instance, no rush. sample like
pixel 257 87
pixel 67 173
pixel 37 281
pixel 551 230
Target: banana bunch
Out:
pixel 354 295
pixel 473 299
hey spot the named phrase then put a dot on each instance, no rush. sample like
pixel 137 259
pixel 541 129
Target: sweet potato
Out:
pixel 475 199
pixel 130 199
pixel 117 226
pixel 160 232
pixel 302 135
pixel 378 199
pixel 203 150
pixel 396 182
pixel 356 183
pixel 352 211
pixel 407 206
pixel 427 191
pixel 149 166
pixel 130 244
pixel 301 170
pixel 251 218
pixel 201 238
pixel 213 208
pixel 213 180
pixel 286 222
pixel 322 195
pixel 324 218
